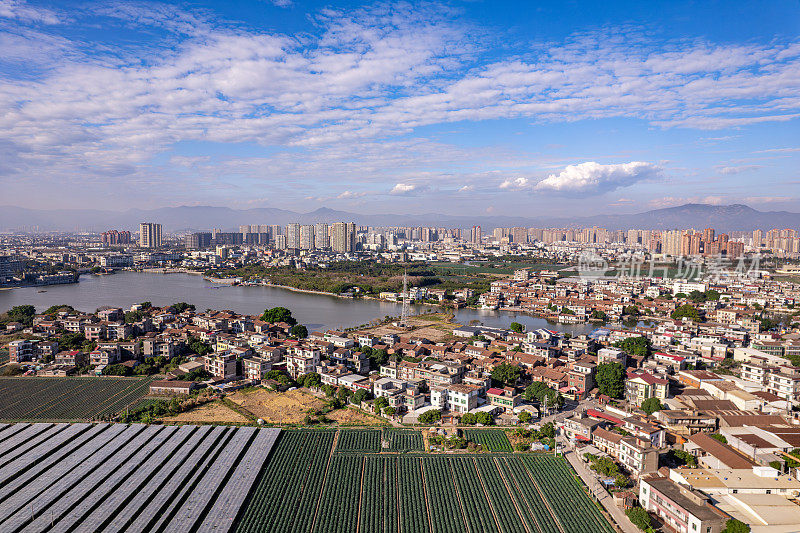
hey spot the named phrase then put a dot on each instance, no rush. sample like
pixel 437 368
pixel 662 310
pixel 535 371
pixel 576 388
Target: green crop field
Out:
pixel 67 399
pixel 306 487
pixel 359 440
pixel 493 440
pixel 403 440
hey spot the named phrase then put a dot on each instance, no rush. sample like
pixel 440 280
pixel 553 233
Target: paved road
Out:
pixel 596 488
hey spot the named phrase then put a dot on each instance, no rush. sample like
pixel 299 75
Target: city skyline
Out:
pixel 459 108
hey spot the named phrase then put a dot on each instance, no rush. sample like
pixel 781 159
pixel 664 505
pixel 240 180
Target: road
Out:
pixel 597 489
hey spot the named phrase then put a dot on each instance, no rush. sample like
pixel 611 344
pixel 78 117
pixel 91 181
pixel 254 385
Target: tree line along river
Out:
pixel 316 311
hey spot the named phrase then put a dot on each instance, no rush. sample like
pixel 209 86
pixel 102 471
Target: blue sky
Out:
pixel 525 108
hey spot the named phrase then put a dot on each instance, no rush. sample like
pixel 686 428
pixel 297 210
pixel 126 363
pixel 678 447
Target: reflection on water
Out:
pixel 317 311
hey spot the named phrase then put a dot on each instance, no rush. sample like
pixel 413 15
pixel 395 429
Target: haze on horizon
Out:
pixel 514 108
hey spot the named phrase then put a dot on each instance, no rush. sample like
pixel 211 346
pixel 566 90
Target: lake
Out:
pixel 316 311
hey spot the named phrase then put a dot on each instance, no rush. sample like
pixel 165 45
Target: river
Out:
pixel 316 311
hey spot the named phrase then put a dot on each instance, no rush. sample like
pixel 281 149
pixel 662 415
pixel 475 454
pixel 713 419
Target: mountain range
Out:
pixel 736 217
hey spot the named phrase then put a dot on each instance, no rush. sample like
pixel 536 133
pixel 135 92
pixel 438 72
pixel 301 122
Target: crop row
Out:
pixel 305 487
pixel 493 440
pixel 571 505
pixel 68 398
pixel 359 440
pixel 403 440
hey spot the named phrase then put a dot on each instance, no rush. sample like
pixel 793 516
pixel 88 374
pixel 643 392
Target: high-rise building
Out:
pixel 149 235
pixel 322 239
pixel 113 236
pixel 197 241
pixel 475 235
pixel 280 242
pixel 344 237
pixel 519 235
pixel 671 242
pixel 293 235
pixel 306 237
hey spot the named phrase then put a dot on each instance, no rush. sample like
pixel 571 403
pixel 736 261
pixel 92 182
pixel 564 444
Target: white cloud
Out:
pixel 282 3
pixel 350 195
pixel 403 188
pixel 729 170
pixel 592 178
pixel 20 10
pixel 467 188
pixel 515 183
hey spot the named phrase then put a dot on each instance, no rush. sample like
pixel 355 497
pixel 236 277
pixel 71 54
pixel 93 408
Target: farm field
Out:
pixel 493 440
pixel 403 440
pixel 68 399
pixel 412 493
pixel 120 477
pixel 359 440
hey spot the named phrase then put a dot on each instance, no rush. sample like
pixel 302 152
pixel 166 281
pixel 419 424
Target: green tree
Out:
pixel 610 379
pixel 299 331
pixel 180 307
pixel 639 517
pixel 430 417
pixel 278 314
pixel 651 405
pixel 311 379
pixel 638 346
pixel 506 373
pixel 22 313
pixel 719 437
pixel 631 310
pixel 525 417
pixel 736 526
pixel 516 327
pixel 359 396
pixel 381 402
pixel 484 418
pixel 389 411
pixel 686 311
pixel 468 419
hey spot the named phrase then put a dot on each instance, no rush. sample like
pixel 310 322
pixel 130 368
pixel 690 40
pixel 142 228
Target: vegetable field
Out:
pixel 403 440
pixel 493 440
pixel 306 486
pixel 359 440
pixel 68 399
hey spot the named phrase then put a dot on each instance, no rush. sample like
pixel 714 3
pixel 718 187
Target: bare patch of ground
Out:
pixel 213 412
pixel 289 407
pixel 353 416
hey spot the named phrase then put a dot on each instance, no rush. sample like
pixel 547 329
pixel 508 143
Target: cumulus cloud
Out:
pixel 467 188
pixel 592 178
pixel 403 188
pixel 515 183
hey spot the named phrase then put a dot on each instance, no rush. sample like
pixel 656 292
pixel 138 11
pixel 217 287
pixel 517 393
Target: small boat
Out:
pixel 41 291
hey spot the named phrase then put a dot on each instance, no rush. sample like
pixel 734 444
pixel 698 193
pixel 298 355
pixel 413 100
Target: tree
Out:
pixel 686 311
pixel 638 346
pixel 516 327
pixel 359 396
pixel 199 347
pixel 430 417
pixel 180 307
pixel 719 437
pixel 506 373
pixel 379 357
pixel 311 379
pixel 639 517
pixel 278 314
pixel 631 310
pixel 484 418
pixel 389 411
pixel 299 331
pixel 468 419
pixel 525 417
pixel 381 402
pixel 23 314
pixel 736 526
pixel 610 379
pixel 651 405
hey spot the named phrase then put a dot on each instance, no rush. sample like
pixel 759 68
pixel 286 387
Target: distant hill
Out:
pixel 735 217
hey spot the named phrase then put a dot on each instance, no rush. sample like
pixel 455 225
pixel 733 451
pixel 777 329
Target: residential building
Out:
pixel 149 235
pixel 681 508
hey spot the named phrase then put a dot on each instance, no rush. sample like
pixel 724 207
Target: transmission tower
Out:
pixel 404 314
